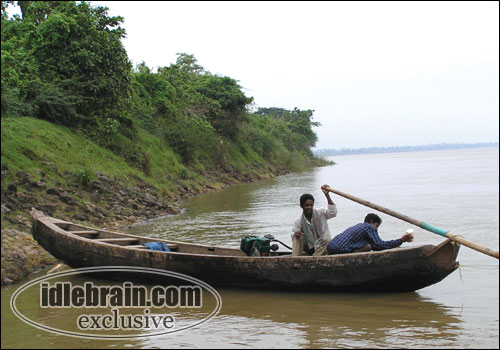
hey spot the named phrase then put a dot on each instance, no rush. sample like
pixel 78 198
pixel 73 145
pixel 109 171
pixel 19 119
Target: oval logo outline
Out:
pixel 113 269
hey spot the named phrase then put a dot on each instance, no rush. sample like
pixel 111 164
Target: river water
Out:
pixel 457 190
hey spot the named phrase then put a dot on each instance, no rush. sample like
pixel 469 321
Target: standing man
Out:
pixel 310 232
pixel 364 237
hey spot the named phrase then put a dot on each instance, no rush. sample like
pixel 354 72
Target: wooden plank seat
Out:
pixel 118 241
pixel 139 246
pixel 172 247
pixel 89 233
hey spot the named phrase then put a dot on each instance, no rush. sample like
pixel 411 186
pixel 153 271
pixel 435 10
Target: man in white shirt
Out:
pixel 310 232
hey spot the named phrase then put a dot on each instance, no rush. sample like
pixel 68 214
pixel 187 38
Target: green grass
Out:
pixel 29 144
pixel 32 145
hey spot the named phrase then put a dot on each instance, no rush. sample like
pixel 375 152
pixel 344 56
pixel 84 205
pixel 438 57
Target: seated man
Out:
pixel 363 237
pixel 310 232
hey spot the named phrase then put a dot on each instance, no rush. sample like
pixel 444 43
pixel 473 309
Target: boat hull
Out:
pixel 393 270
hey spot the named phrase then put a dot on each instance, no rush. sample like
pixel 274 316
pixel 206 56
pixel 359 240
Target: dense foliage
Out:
pixel 64 62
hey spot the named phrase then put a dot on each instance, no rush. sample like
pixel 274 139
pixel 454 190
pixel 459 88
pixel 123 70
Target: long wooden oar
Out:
pixel 418 223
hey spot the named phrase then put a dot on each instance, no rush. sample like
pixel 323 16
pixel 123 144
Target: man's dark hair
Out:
pixel 305 197
pixel 373 218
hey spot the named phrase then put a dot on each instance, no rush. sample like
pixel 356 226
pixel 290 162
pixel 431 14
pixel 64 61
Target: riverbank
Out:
pixel 67 175
pixel 107 202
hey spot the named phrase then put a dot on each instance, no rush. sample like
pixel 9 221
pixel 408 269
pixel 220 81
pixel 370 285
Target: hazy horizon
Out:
pixel 443 144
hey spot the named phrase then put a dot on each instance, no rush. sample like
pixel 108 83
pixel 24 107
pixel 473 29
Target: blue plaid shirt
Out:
pixel 358 236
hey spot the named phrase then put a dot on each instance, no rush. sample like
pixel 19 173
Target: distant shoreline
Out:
pixel 371 150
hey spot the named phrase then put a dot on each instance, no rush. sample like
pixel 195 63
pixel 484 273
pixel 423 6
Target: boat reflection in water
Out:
pixel 324 320
pixel 259 319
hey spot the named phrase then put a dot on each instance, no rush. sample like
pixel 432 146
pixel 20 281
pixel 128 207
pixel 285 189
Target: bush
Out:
pixel 66 59
pixel 226 103
pixel 261 142
pixel 85 177
pixel 132 152
pixel 192 138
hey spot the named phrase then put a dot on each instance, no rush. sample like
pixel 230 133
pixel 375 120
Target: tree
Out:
pixel 274 112
pixel 225 101
pixel 19 68
pixel 79 58
pixel 298 121
pixel 156 91
pixel 301 123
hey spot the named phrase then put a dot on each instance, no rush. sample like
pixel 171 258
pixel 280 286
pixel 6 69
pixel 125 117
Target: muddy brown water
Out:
pixel 457 190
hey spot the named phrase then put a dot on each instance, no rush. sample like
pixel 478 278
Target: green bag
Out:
pixel 253 244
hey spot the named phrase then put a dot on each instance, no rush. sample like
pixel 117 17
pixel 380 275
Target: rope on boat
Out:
pixel 452 236
pixel 460 273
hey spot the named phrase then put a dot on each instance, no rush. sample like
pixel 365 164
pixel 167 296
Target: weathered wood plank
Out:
pixel 119 241
pixel 88 233
pixel 137 246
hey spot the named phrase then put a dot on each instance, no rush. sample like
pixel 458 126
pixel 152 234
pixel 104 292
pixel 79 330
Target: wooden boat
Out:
pixel 392 270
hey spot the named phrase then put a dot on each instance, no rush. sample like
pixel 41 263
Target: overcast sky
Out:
pixel 376 73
